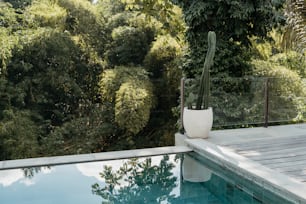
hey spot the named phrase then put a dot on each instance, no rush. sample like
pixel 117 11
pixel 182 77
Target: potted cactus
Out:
pixel 198 117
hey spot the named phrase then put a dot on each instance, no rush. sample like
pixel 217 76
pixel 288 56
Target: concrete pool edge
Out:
pixel 276 182
pixel 82 158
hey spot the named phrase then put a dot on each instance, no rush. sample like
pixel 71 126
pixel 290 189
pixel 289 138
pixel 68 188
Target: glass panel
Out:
pixel 247 101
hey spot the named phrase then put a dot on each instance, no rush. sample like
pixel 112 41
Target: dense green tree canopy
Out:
pixel 234 23
pixel 57 60
pixel 88 77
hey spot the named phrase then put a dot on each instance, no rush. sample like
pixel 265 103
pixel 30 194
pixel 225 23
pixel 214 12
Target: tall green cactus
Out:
pixel 204 89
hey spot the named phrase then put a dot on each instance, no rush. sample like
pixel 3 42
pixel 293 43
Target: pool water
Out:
pixel 151 180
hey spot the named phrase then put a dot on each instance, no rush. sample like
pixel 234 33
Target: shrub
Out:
pixel 129 46
pixel 47 13
pixel 163 61
pixel 286 90
pixel 163 51
pixel 131 93
pixel 133 105
pixel 292 60
pixel 18 133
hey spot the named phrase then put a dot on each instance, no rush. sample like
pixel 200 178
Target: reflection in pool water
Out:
pixel 74 183
pixel 144 180
pixel 139 182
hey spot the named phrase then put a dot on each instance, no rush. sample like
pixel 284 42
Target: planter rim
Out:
pixel 186 108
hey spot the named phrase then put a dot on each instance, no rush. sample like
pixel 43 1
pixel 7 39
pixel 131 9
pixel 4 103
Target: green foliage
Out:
pixel 84 19
pixel 111 80
pixel 47 13
pixel 19 4
pixel 129 46
pixel 273 70
pixel 163 62
pixel 294 36
pixel 164 11
pixel 133 105
pixel 18 135
pixel 234 22
pixel 164 50
pixel 285 71
pixel 130 90
pixel 138 38
pixel 286 90
pixel 87 132
pixel 54 73
pixel 292 60
pixel 143 179
pixel 51 59
pixel 14 20
pixel 7 43
pixel 109 8
pixel 8 17
pixel 262 49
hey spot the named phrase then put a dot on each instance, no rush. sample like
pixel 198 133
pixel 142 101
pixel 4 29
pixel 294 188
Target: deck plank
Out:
pixel 267 141
pixel 288 163
pixel 270 147
pixel 283 159
pixel 284 152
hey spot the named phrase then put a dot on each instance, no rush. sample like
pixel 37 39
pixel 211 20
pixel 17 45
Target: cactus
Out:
pixel 204 88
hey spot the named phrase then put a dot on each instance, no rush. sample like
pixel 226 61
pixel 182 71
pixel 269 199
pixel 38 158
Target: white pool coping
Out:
pixel 81 158
pixel 278 183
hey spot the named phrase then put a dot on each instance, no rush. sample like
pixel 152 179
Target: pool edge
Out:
pixel 276 182
pixel 82 158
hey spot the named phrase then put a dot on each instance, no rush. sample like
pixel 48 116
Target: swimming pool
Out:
pixel 156 179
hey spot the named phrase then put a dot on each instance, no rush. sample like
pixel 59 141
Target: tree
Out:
pixel 52 75
pixel 52 57
pixel 283 72
pixel 129 45
pixel 141 39
pixel 19 4
pixel 18 135
pixel 234 23
pixel 46 13
pixel 286 90
pixel 130 92
pixel 165 11
pixel 295 36
pixel 83 19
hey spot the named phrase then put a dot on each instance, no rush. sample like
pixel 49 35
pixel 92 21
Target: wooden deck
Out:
pixel 286 155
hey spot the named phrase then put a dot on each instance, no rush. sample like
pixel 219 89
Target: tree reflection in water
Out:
pixel 31 171
pixel 138 181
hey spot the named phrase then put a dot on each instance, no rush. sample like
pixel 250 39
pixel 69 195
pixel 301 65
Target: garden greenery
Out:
pixel 86 77
pixel 76 75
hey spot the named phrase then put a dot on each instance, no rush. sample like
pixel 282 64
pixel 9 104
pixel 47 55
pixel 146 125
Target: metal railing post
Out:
pixel 266 114
pixel 182 101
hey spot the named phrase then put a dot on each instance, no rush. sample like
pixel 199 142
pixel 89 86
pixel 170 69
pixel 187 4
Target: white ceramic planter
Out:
pixel 197 123
pixel 194 171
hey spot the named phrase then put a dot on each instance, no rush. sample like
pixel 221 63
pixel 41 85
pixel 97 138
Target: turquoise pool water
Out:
pixel 151 180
